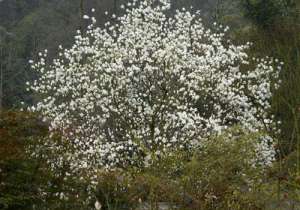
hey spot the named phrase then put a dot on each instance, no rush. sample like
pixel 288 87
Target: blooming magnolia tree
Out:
pixel 149 83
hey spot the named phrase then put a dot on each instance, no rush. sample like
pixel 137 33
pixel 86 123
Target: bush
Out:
pixel 225 174
pixel 26 181
pixel 21 177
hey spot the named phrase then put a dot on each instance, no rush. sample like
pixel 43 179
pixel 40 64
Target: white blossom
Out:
pixel 86 17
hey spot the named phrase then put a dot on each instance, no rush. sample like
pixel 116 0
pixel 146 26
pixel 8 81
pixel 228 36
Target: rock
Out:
pixel 98 205
pixel 161 206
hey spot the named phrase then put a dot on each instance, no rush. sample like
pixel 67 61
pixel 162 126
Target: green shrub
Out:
pixel 223 174
pixel 26 182
pixel 20 176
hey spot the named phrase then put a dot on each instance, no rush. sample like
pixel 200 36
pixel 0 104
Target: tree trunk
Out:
pixel 81 13
pixel 1 79
pixel 116 7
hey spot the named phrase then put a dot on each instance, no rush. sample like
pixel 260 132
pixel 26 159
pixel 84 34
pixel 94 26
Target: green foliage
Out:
pixel 20 176
pixel 15 128
pixel 26 182
pixel 264 13
pixel 261 12
pixel 221 175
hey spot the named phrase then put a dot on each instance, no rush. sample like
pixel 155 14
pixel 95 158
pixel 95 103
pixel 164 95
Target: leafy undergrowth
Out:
pixel 224 174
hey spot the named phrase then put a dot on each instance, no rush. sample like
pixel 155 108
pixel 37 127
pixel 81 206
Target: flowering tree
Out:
pixel 148 84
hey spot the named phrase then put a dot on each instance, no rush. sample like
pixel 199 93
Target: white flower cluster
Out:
pixel 148 83
pixel 266 153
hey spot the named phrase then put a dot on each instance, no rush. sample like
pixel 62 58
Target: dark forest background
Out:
pixel 30 26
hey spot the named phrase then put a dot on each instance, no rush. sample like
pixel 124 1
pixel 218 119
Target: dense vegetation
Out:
pixel 219 176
